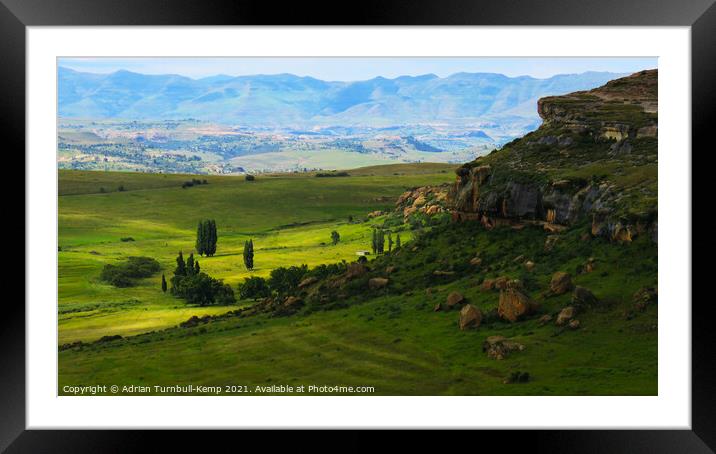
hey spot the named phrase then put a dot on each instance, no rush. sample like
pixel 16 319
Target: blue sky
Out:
pixel 359 68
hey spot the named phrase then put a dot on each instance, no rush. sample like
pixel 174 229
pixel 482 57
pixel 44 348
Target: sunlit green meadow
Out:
pixel 289 218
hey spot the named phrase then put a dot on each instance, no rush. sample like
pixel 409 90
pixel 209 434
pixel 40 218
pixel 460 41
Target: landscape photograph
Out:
pixel 365 226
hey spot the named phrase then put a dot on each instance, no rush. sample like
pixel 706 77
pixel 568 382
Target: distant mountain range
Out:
pixel 286 100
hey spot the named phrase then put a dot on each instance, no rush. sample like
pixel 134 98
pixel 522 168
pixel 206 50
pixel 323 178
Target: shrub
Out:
pixel 249 177
pixel 285 280
pixel 126 239
pixel 254 287
pixel 125 274
pixel 204 290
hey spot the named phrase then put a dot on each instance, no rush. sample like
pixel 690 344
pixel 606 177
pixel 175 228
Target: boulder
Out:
pixel 470 317
pixel 498 347
pixel 438 307
pixel 501 282
pixel 375 214
pixel 454 299
pixel 515 304
pixel 583 297
pixel 550 241
pixel 476 261
pixel 561 283
pixel 574 324
pixel 355 270
pixel 487 284
pixel 544 320
pixel 565 315
pixel 306 282
pixel 432 210
pixel 292 301
pixel 529 265
pixel 644 297
pixel 377 283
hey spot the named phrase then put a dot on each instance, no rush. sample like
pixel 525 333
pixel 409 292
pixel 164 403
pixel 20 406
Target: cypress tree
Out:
pixel 375 241
pixel 211 237
pixel 196 267
pixel 181 266
pixel 390 242
pixel 249 255
pixel 190 265
pixel 164 284
pixel 200 238
pixel 397 242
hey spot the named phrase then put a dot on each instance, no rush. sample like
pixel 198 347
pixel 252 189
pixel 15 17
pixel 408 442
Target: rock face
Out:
pixel 498 347
pixel 355 270
pixel 377 283
pixel 514 304
pixel 616 122
pixel 470 317
pixel 561 283
pixel 454 299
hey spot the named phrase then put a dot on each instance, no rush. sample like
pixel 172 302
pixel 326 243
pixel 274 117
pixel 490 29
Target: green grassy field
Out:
pixel 289 218
pixel 390 339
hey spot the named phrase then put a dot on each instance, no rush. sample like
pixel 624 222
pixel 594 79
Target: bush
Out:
pixel 126 239
pixel 204 290
pixel 255 288
pixel 249 177
pixel 125 274
pixel 285 280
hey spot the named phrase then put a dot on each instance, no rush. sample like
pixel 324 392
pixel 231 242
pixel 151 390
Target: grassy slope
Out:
pixel 394 341
pixel 287 217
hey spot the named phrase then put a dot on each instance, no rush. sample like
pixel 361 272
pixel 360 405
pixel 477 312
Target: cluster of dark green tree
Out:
pixel 284 281
pixel 193 182
pixel 249 255
pixel 378 243
pixel 206 238
pixel 196 287
pixel 125 274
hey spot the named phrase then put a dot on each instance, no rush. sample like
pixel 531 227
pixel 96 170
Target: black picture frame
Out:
pixel 699 15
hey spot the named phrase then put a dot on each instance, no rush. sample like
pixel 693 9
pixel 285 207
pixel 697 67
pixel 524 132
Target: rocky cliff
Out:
pixel 594 158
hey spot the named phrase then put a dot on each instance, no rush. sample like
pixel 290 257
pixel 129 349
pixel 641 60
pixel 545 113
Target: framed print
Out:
pixel 435 217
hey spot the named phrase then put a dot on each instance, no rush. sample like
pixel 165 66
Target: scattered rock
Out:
pixel 589 266
pixel 470 317
pixel 390 269
pixel 355 270
pixel 582 297
pixel 644 297
pixel 561 283
pixel 375 214
pixel 501 282
pixel 517 377
pixel 377 283
pixel 454 299
pixel 438 307
pixel 498 347
pixel 550 241
pixel 544 320
pixel 476 261
pixel 487 284
pixel 292 301
pixel 515 304
pixel 306 282
pixel 443 273
pixel 565 315
pixel 574 324
pixel 529 265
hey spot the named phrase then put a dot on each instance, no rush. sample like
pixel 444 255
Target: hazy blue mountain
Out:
pixel 287 100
